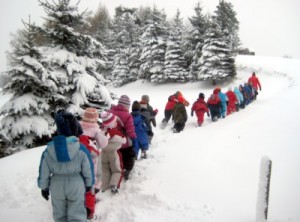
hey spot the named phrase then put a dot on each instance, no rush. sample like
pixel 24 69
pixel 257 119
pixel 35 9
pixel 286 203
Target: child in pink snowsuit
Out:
pixel 200 107
pixel 91 129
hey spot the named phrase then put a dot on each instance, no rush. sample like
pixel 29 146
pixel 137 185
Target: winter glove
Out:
pixel 155 112
pixel 150 133
pixel 45 194
pixel 192 113
pixel 88 189
pixel 208 114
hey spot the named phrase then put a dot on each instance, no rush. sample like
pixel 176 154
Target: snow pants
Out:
pixel 111 168
pixel 223 109
pixel 97 172
pixel 231 108
pixel 200 117
pixel 128 157
pixel 168 115
pixel 179 126
pixel 68 198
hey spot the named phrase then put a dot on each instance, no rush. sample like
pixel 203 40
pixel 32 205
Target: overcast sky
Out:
pixel 269 27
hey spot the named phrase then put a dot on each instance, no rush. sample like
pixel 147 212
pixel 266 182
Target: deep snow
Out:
pixel 204 174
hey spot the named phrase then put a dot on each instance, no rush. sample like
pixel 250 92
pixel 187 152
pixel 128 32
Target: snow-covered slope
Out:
pixel 205 174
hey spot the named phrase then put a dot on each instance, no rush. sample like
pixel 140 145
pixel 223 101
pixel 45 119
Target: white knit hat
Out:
pixel 109 120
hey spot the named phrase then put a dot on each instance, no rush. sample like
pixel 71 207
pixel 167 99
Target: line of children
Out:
pixel 67 163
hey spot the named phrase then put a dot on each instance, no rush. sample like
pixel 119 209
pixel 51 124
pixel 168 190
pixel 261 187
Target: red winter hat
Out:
pixel 143 104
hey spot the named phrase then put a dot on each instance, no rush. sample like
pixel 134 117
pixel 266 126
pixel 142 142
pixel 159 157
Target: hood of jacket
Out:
pixel 63 149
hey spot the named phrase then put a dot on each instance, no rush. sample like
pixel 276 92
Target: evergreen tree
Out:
pixel 73 58
pixel 217 61
pixel 225 16
pixel 126 33
pixel 195 40
pixel 27 119
pixel 100 25
pixel 174 61
pixel 120 71
pixel 153 47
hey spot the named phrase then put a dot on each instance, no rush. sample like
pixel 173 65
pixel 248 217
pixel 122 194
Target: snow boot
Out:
pixel 144 154
pixel 113 189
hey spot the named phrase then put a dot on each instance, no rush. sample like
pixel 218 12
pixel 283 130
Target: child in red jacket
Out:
pixel 200 107
pixel 232 100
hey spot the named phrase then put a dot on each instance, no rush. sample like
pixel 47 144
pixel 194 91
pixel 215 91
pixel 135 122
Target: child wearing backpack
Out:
pixel 94 140
pixel 111 157
pixel 214 105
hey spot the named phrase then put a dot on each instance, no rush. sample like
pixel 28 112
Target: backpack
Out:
pixel 89 144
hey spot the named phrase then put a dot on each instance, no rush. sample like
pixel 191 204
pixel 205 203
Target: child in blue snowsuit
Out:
pixel 239 97
pixel 66 171
pixel 223 97
pixel 141 130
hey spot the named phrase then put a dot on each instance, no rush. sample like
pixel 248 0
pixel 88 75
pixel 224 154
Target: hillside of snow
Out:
pixel 203 174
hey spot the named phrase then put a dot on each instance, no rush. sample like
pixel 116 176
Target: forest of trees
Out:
pixel 69 60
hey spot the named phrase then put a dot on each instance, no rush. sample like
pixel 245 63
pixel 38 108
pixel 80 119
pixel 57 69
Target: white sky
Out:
pixel 270 28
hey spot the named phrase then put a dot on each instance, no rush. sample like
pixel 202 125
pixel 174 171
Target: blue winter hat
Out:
pixel 67 124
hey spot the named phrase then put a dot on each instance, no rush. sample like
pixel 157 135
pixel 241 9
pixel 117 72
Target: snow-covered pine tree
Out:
pixel 73 58
pixel 120 73
pixel 217 61
pixel 153 47
pixel 125 38
pixel 225 16
pixel 195 40
pixel 175 64
pixel 27 120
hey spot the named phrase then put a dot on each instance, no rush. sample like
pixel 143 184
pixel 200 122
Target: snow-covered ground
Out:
pixel 205 174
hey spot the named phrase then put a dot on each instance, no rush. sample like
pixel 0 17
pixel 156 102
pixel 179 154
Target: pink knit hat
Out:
pixel 109 120
pixel 90 115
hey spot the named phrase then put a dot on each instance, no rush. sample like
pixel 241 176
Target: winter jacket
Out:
pixel 140 130
pixel 126 125
pixel 93 131
pixel 232 100
pixel 148 118
pixel 238 95
pixel 172 100
pixel 224 99
pixel 66 169
pixel 152 115
pixel 200 106
pixel 179 113
pixel 214 105
pixel 253 80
